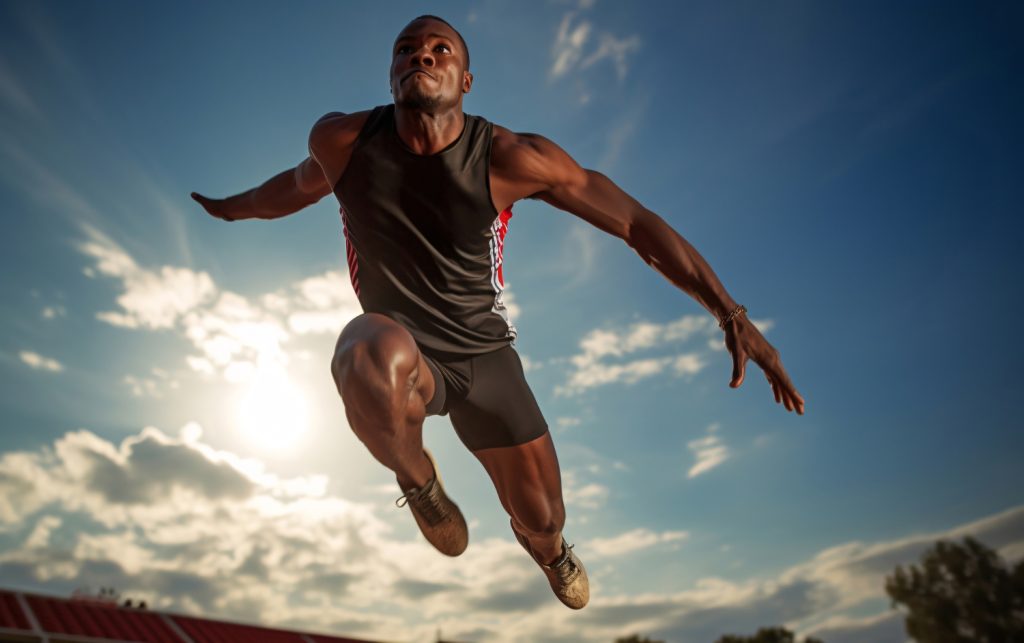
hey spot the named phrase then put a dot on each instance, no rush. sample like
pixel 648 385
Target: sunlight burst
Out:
pixel 272 414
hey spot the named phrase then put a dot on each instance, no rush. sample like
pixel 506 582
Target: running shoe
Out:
pixel 438 518
pixel 567 577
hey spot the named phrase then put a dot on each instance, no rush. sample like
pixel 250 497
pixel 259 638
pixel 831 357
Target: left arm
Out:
pixel 548 173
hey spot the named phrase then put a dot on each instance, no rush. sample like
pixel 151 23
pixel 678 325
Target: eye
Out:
pixel 445 47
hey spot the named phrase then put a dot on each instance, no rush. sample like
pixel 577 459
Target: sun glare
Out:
pixel 272 414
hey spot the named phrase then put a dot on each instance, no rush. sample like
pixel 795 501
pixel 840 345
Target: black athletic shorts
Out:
pixel 487 398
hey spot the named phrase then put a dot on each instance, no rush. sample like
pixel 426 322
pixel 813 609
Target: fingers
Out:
pixel 798 403
pixel 212 206
pixel 775 389
pixel 739 368
pixel 785 393
pixel 768 359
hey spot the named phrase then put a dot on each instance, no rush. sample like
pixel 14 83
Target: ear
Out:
pixel 467 82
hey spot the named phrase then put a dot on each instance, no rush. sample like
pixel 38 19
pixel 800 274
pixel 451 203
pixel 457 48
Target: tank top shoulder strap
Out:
pixel 378 119
pixel 477 144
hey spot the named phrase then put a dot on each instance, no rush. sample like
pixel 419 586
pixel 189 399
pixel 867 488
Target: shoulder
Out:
pixel 532 157
pixel 508 146
pixel 336 130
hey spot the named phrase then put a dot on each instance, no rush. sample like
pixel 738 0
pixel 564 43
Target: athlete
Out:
pixel 426 194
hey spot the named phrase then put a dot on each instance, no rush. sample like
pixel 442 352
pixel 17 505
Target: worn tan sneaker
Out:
pixel 438 518
pixel 567 577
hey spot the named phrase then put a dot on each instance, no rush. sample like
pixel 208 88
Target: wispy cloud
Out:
pixel 709 452
pixel 13 92
pixel 40 363
pixel 155 384
pixel 570 51
pixel 567 50
pixel 614 49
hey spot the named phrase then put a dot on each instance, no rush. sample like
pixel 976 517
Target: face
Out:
pixel 428 67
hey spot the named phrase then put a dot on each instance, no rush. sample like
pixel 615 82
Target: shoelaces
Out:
pixel 424 501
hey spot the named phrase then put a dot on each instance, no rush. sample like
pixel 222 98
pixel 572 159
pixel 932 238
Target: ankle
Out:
pixel 418 476
pixel 549 555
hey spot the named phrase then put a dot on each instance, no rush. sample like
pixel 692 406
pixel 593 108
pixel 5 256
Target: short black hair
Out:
pixel 462 40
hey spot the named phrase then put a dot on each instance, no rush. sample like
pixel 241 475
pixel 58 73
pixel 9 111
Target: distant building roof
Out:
pixel 32 617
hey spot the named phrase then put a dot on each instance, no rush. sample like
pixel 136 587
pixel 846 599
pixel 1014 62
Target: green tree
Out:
pixel 766 635
pixel 636 639
pixel 960 594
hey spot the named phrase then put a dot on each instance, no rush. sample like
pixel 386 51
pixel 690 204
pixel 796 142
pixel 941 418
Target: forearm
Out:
pixel 669 253
pixel 277 197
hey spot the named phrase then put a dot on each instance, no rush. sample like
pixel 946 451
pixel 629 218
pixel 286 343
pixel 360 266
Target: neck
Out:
pixel 426 133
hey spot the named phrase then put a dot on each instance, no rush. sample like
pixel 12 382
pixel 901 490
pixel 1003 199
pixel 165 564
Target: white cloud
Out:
pixel 530 364
pixel 575 493
pixel 632 541
pixel 40 534
pixel 884 626
pixel 709 451
pixel 567 422
pixel 199 530
pixel 602 359
pixel 594 366
pixel 38 362
pixel 234 336
pixel 191 526
pixel 509 300
pixel 53 312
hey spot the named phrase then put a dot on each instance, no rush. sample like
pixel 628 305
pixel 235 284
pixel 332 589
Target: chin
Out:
pixel 421 101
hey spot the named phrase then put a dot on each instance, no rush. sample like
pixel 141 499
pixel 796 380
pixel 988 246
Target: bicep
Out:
pixel 540 169
pixel 589 195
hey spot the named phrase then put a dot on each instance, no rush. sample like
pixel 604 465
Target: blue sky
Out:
pixel 850 171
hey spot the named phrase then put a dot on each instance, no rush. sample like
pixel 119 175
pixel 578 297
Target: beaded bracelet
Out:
pixel 731 316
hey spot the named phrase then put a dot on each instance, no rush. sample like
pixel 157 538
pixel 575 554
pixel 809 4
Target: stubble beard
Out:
pixel 425 99
pixel 421 103
pixel 419 100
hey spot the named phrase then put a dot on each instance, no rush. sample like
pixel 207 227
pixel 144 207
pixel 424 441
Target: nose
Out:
pixel 423 57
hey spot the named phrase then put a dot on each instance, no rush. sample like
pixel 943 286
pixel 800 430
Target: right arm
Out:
pixel 285 193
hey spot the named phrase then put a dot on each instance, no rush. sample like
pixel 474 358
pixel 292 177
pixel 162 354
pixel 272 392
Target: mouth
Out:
pixel 417 71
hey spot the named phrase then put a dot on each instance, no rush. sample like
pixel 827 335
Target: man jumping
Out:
pixel 426 194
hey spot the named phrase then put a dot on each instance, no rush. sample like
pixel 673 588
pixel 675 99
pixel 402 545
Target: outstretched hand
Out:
pixel 745 342
pixel 216 207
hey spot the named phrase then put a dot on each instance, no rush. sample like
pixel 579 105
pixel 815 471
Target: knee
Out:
pixel 373 352
pixel 541 516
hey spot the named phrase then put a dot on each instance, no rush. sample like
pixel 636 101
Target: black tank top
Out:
pixel 423 240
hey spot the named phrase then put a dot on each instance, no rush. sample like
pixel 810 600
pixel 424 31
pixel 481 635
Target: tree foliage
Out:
pixel 635 638
pixel 766 635
pixel 960 594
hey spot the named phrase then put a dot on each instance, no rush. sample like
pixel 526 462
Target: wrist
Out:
pixel 734 314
